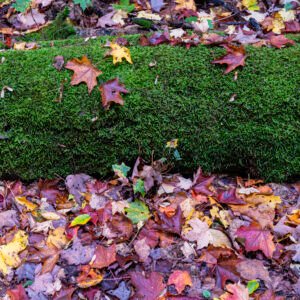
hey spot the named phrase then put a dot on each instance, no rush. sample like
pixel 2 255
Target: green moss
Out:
pixel 184 96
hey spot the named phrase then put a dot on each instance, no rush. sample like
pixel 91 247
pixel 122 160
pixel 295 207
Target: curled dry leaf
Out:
pixel 84 71
pixel 235 56
pixel 110 92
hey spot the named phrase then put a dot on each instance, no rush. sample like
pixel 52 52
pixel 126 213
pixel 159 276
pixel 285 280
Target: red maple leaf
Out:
pixel 234 57
pixel 180 279
pixel 149 287
pixel 84 71
pixel 280 41
pixel 257 238
pixel 110 92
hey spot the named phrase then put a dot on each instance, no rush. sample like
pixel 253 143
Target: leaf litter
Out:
pixel 150 243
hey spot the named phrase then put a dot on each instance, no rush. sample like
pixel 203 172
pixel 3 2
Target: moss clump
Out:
pixel 184 96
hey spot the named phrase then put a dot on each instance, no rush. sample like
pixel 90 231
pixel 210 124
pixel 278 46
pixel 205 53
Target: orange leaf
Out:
pixel 234 57
pixel 84 71
pixel 180 279
pixel 236 292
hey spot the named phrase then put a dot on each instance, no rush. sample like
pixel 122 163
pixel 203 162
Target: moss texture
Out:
pixel 184 96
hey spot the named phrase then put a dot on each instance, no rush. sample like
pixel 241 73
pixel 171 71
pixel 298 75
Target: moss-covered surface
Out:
pixel 184 96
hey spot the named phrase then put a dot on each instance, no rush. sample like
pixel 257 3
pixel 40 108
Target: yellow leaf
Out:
pixel 250 4
pixel 185 4
pixel 9 253
pixel 57 238
pixel 20 46
pixel 118 53
pixel 278 24
pixel 23 201
pixel 49 215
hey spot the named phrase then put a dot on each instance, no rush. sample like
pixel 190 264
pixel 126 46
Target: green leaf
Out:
pixel 206 294
pixel 252 286
pixel 137 211
pixel 21 5
pixel 210 24
pixel 83 3
pixel 177 155
pixel 124 5
pixel 191 19
pixel 80 220
pixel 121 170
pixel 139 187
pixel 27 283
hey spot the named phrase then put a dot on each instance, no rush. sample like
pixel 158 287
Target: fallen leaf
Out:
pixel 137 211
pixel 28 204
pixel 80 220
pixel 147 287
pixel 180 279
pixel 203 235
pixel 234 57
pixel 250 4
pixel 257 238
pixel 105 256
pixel 142 249
pixel 280 41
pixel 88 278
pixel 84 71
pixel 18 293
pixel 185 4
pixel 230 197
pixel 236 291
pixel 59 62
pixel 57 238
pixel 9 253
pixel 111 92
pixel 118 53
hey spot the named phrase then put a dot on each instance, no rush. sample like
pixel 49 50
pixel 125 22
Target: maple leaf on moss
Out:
pixel 137 211
pixel 257 238
pixel 84 71
pixel 121 170
pixel 234 57
pixel 118 53
pixel 110 92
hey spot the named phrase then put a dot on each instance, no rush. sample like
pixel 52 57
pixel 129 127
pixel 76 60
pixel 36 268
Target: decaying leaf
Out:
pixel 111 93
pixel 84 71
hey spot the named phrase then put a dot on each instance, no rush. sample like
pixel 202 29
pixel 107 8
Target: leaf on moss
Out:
pixel 234 57
pixel 84 71
pixel 118 53
pixel 111 92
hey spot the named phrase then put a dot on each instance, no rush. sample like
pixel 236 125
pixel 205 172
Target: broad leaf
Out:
pixel 80 220
pixel 84 71
pixel 137 211
pixel 257 238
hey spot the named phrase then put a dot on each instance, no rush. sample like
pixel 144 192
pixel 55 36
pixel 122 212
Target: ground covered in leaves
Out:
pixel 146 234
